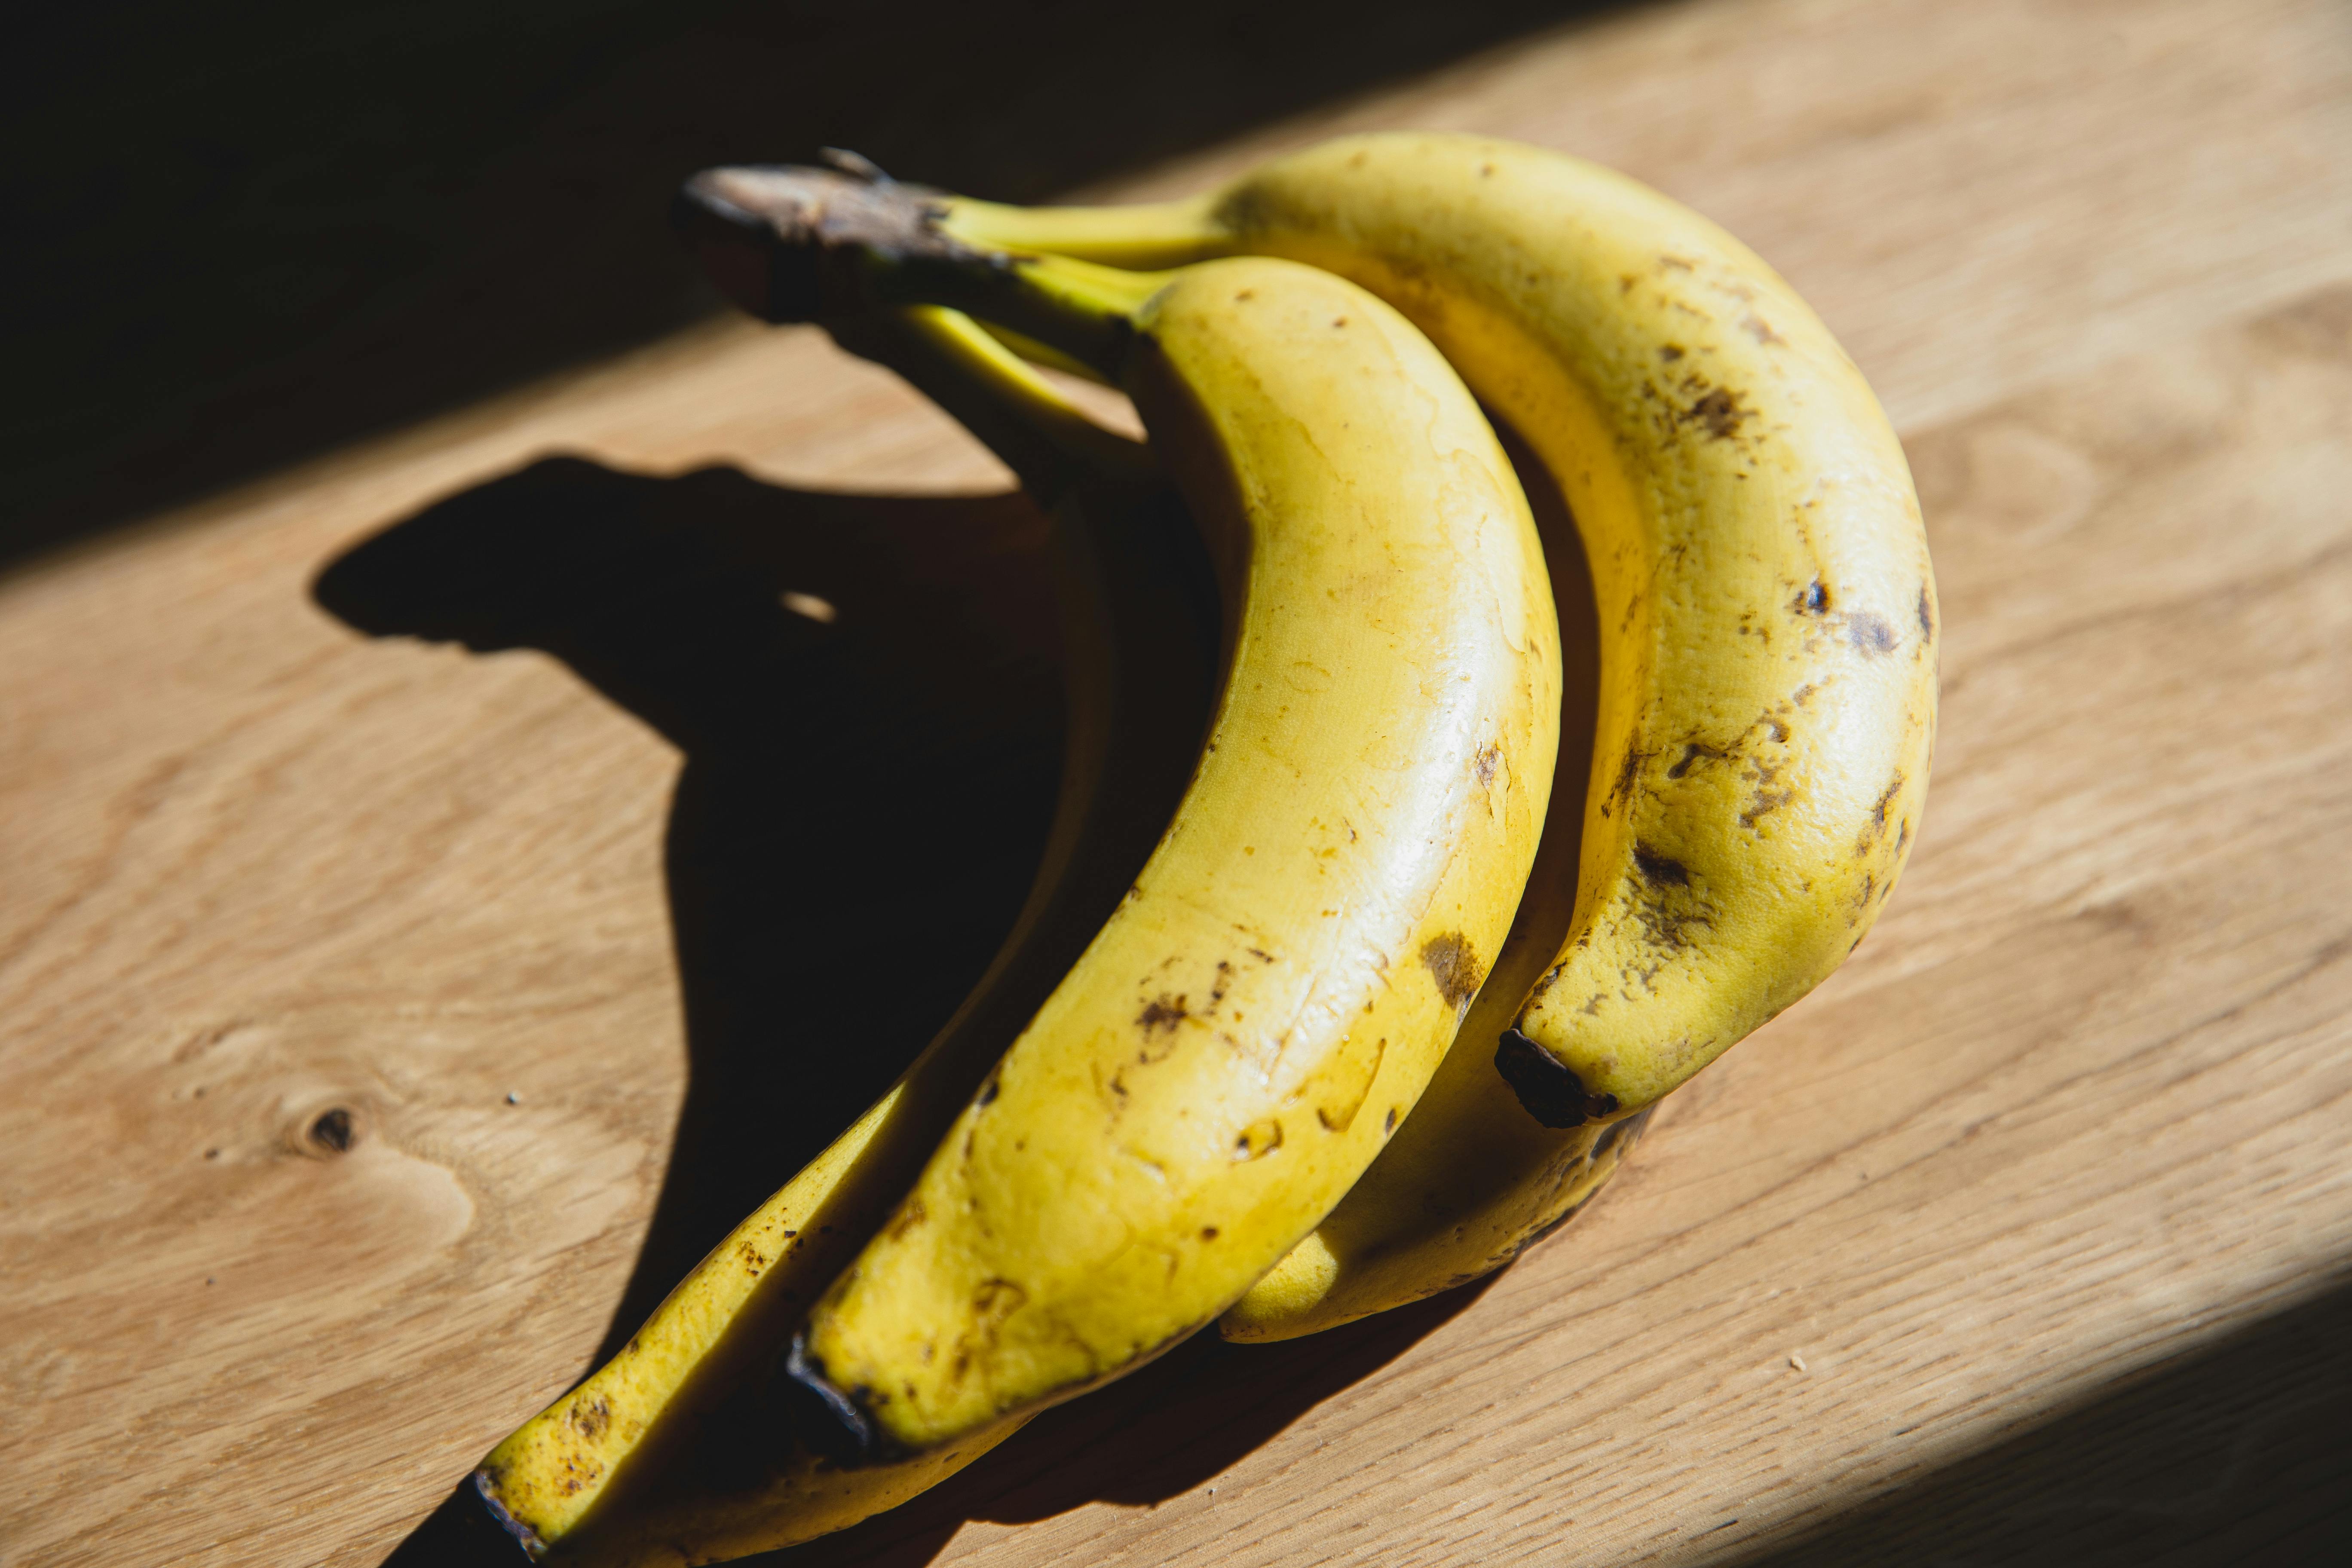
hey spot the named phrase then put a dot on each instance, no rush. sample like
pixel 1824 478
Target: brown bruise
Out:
pixel 1161 1014
pixel 1453 964
pixel 1871 633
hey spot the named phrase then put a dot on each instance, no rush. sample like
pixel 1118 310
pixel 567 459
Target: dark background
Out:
pixel 240 234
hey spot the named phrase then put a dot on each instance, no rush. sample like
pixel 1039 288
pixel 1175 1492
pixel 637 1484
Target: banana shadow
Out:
pixel 863 799
pixel 1144 1440
pixel 885 766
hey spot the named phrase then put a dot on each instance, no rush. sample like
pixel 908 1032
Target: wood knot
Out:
pixel 331 1132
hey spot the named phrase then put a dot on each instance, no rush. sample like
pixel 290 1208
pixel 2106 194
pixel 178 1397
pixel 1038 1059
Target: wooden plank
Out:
pixel 2079 1102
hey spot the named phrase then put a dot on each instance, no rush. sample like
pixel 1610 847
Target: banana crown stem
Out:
pixel 1048 442
pixel 793 244
pixel 1142 237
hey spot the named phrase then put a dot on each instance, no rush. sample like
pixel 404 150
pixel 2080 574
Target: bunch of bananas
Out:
pixel 1374 1013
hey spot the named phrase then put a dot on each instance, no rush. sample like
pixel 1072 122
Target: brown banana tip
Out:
pixel 1549 1089
pixel 524 1536
pixel 827 1419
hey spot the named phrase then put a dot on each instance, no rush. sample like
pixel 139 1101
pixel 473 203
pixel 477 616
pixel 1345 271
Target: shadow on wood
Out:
pixel 1166 1430
pixel 2239 1453
pixel 1171 1427
pixel 867 694
pixel 863 800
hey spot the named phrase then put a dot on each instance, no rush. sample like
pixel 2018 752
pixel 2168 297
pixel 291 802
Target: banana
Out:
pixel 1768 684
pixel 1245 1033
pixel 668 1453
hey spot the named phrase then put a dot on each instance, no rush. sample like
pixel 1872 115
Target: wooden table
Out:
pixel 389 965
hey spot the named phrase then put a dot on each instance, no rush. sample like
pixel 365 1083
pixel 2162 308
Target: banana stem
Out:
pixel 1143 238
pixel 810 245
pixel 1036 353
pixel 1048 442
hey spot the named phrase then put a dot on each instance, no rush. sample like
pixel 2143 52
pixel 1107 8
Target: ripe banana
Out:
pixel 1769 625
pixel 1245 1033
pixel 670 1453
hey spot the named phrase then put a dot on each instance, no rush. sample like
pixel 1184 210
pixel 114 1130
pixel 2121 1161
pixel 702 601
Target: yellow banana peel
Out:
pixel 1767 620
pixel 1256 1018
pixel 675 1451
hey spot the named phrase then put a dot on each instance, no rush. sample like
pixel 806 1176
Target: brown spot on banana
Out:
pixel 1718 411
pixel 1877 828
pixel 1863 899
pixel 1660 871
pixel 1161 1014
pixel 1665 904
pixel 1871 633
pixel 1693 753
pixel 1258 1140
pixel 1453 964
pixel 1628 774
pixel 1767 799
pixel 1339 1089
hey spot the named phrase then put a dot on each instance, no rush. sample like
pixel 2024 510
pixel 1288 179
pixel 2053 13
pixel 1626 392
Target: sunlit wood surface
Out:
pixel 2079 1106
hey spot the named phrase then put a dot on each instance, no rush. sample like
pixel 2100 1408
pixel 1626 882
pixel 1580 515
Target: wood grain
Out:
pixel 2078 1105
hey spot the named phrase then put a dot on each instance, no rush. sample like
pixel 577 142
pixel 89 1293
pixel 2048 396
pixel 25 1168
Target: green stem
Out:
pixel 1144 237
pixel 1044 439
